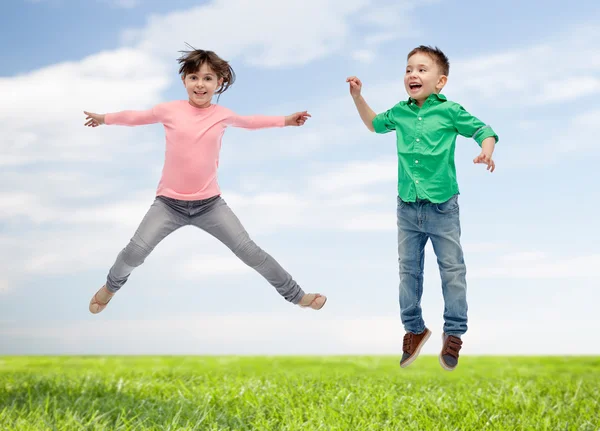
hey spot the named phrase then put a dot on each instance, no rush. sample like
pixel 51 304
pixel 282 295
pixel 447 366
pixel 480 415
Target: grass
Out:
pixel 298 393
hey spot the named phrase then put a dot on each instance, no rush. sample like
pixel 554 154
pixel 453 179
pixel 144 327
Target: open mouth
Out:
pixel 200 93
pixel 414 86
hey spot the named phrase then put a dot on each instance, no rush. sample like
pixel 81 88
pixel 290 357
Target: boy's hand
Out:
pixel 485 158
pixel 355 86
pixel 297 119
pixel 94 120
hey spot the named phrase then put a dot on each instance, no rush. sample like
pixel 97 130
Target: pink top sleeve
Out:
pixel 131 118
pixel 254 122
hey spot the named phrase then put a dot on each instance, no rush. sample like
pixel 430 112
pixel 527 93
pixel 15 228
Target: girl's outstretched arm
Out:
pixel 123 118
pixel 253 122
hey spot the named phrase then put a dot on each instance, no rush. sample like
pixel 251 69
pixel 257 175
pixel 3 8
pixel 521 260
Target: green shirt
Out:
pixel 426 138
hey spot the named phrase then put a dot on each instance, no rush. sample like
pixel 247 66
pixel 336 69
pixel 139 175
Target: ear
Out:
pixel 183 80
pixel 221 82
pixel 442 81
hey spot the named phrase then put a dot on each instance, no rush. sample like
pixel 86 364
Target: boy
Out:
pixel 426 126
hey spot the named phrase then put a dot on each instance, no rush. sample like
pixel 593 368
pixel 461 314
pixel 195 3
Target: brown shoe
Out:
pixel 449 353
pixel 316 301
pixel 412 346
pixel 100 300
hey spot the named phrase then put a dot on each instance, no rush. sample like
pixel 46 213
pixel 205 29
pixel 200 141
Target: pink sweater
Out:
pixel 193 138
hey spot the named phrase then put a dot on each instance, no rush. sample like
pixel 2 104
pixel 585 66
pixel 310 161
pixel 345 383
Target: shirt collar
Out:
pixel 432 97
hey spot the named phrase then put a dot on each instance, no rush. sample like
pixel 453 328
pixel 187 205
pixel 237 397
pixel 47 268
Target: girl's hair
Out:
pixel 192 60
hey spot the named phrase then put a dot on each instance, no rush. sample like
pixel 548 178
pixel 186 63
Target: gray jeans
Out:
pixel 211 215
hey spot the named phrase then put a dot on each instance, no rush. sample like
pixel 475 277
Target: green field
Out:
pixel 298 393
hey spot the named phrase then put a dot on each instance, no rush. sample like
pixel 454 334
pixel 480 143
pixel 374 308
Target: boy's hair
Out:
pixel 192 60
pixel 436 54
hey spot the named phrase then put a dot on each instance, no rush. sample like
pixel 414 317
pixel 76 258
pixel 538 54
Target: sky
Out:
pixel 321 199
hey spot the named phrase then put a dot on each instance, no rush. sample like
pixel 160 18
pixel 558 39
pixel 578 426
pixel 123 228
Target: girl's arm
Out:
pixel 254 122
pixel 123 118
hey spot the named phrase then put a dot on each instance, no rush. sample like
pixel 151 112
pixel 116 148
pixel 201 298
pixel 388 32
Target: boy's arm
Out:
pixel 378 123
pixel 123 118
pixel 471 127
pixel 253 122
pixel 364 110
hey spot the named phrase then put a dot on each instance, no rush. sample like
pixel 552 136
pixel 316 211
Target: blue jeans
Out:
pixel 211 215
pixel 418 222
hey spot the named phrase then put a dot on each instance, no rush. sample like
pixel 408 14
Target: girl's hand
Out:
pixel 94 120
pixel 297 119
pixel 355 86
pixel 487 160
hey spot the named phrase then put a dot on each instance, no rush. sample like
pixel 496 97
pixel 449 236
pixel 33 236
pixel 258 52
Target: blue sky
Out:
pixel 320 199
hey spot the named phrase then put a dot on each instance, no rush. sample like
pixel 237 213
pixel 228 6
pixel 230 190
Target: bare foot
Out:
pixel 316 301
pixel 100 300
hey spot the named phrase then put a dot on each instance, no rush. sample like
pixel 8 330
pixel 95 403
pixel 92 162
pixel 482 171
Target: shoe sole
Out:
pixel 416 354
pixel 442 363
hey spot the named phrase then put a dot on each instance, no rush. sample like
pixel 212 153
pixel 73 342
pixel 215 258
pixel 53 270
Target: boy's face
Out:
pixel 201 86
pixel 423 77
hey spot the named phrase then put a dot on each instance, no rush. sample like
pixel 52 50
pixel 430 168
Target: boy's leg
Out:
pixel 159 221
pixel 444 230
pixel 411 259
pixel 219 220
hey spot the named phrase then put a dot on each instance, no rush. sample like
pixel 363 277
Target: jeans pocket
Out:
pixel 448 207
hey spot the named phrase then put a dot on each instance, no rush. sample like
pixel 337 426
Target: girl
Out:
pixel 188 192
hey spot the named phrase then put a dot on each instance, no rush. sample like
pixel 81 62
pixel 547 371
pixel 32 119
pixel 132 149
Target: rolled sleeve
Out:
pixel 382 123
pixel 472 127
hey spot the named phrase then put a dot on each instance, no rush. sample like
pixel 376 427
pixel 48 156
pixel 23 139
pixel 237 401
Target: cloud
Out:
pixel 536 265
pixel 363 56
pixel 271 29
pixel 51 129
pixel 541 74
pixel 199 264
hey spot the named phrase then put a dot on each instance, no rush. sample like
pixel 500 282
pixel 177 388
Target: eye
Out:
pixel 422 70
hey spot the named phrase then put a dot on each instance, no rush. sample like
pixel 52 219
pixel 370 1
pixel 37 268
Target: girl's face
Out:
pixel 201 86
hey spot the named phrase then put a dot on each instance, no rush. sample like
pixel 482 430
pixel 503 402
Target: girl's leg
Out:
pixel 159 221
pixel 220 221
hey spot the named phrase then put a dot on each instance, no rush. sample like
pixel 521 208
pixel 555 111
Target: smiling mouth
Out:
pixel 199 93
pixel 415 86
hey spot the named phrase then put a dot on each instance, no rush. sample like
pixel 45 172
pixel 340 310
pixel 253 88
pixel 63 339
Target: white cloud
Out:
pixel 363 56
pixel 271 29
pixel 353 175
pixel 198 264
pixel 51 129
pixel 535 75
pixel 4 286
pixel 540 266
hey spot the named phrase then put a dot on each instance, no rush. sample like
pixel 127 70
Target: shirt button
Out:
pixel 417 182
pixel 416 161
pixel 420 118
pixel 418 140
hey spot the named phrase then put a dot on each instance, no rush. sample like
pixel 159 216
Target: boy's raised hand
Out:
pixel 297 119
pixel 485 159
pixel 355 86
pixel 94 120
